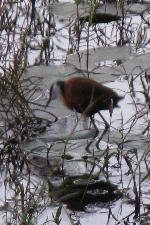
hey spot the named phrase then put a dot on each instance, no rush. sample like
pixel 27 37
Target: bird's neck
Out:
pixel 58 90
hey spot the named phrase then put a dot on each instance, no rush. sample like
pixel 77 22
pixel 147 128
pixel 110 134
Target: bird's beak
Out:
pixel 50 96
pixel 47 103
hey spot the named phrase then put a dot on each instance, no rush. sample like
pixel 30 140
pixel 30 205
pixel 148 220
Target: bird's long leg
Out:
pixel 107 125
pixel 96 134
pixel 104 132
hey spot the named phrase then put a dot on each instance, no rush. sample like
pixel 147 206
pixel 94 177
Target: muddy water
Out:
pixel 127 123
pixel 62 146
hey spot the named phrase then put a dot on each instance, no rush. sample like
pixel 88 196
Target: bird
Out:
pixel 86 96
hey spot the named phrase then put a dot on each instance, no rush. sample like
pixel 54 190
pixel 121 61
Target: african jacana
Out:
pixel 86 96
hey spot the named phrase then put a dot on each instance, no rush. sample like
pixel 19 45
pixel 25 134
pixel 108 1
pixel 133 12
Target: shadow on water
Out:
pixel 79 191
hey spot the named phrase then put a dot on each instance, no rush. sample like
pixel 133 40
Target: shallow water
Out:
pixel 106 56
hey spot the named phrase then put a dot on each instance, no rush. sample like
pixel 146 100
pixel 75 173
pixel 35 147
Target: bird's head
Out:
pixel 55 92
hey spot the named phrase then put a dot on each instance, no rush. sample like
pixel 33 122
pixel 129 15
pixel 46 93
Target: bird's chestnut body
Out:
pixel 84 95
